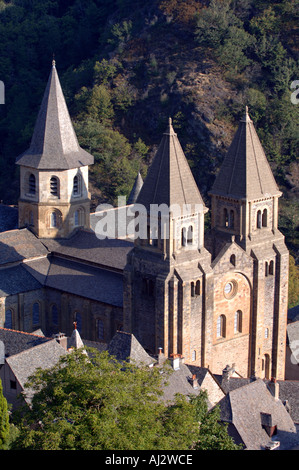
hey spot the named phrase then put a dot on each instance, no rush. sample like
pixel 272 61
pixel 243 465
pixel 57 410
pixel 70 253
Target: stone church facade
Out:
pixel 213 298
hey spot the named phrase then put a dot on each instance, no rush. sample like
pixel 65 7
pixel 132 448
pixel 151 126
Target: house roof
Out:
pixel 125 347
pixel 243 407
pixel 169 179
pixel 16 342
pixel 54 145
pixel 245 172
pixel 25 363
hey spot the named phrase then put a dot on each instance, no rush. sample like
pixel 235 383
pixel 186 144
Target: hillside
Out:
pixel 126 66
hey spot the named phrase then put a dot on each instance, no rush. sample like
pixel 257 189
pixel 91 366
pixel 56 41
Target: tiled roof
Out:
pixel 245 171
pixel 124 346
pixel 54 145
pixel 169 179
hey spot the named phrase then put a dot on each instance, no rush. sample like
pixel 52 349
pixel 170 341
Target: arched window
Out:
pixel 78 320
pixel 266 268
pixel 231 219
pixel 259 220
pixel 77 218
pixel 233 260
pixel 77 185
pixel 264 218
pixel 35 314
pixel 197 288
pixel 8 319
pixel 32 184
pixel 53 220
pixel 190 235
pixel 184 236
pixel 238 321
pixel 100 330
pixel 225 218
pixel 54 312
pixel 221 326
pixel 54 186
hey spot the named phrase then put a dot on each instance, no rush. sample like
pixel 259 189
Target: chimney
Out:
pixel 274 388
pixel 61 339
pixel 194 382
pixel 267 424
pixel 161 357
pixel 226 375
pixel 175 361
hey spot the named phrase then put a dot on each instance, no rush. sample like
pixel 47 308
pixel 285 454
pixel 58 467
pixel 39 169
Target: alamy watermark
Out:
pixel 158 222
pixel 295 94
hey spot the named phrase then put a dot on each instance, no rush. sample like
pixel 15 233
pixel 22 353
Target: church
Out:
pixel 213 298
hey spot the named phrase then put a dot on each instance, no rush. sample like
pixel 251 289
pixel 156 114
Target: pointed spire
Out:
pixel 169 180
pixel 136 189
pixel 245 172
pixel 54 144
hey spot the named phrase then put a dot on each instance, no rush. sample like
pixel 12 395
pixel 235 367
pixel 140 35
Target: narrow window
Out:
pixel 54 315
pixel 271 268
pixel 231 219
pixel 194 355
pixel 259 220
pixel 190 235
pixel 225 218
pixel 266 333
pixel 238 322
pixel 31 219
pixel 35 314
pixel 78 320
pixel 197 288
pixel 32 184
pixel 76 218
pixel 54 186
pixel 233 260
pixel 266 268
pixel 264 218
pixel 8 319
pixel 221 327
pixel 100 330
pixel 77 185
pixel 183 237
pixel 53 220
pixel 192 289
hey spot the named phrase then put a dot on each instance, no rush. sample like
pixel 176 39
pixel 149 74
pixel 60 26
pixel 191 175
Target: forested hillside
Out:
pixel 127 65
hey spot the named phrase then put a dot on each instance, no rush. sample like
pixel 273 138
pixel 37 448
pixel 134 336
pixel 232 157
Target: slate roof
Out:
pixel 169 179
pixel 54 145
pixel 243 407
pixel 245 171
pixel 18 245
pixel 86 281
pixel 16 342
pixel 293 313
pixel 15 280
pixel 85 246
pixel 24 364
pixel 125 347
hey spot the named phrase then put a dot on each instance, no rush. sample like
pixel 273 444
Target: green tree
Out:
pixel 94 402
pixel 4 420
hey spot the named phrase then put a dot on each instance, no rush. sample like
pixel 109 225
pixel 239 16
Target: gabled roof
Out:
pixel 125 347
pixel 169 180
pixel 245 171
pixel 18 245
pixel 16 341
pixel 54 145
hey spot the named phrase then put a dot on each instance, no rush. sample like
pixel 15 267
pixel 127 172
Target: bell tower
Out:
pixel 167 270
pixel 245 212
pixel 54 198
